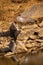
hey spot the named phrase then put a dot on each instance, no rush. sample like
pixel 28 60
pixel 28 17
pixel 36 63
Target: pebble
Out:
pixel 33 37
pixel 39 40
pixel 41 24
pixel 28 45
pixel 9 54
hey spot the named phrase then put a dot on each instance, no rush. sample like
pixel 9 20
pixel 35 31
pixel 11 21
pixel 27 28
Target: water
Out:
pixel 7 61
pixel 35 59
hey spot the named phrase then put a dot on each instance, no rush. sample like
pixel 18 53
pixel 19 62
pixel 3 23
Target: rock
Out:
pixel 34 12
pixel 22 46
pixel 24 20
pixel 29 45
pixel 42 44
pixel 41 49
pixel 33 37
pixel 35 44
pixel 39 40
pixel 19 1
pixel 41 24
pixel 9 54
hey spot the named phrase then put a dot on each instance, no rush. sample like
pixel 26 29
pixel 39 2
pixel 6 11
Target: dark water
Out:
pixel 7 61
pixel 36 59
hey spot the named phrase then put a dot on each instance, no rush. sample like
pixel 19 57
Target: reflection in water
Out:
pixel 7 61
pixel 26 59
pixel 36 59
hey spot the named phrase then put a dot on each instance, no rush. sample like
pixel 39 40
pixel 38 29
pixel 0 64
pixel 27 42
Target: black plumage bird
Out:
pixel 8 49
pixel 13 32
